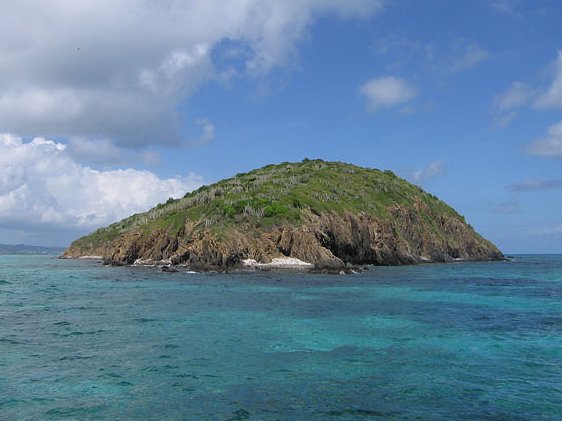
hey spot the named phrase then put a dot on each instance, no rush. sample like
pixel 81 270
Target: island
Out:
pixel 312 215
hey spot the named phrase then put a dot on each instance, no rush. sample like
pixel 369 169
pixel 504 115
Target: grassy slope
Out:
pixel 275 195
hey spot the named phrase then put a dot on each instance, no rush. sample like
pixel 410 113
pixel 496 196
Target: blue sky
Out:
pixel 108 111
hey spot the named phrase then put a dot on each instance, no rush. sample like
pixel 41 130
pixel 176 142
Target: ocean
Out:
pixel 461 341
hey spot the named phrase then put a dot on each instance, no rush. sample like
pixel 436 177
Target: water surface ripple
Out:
pixel 460 341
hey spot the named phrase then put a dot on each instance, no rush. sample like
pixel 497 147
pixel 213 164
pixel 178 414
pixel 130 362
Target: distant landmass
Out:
pixel 311 214
pixel 26 249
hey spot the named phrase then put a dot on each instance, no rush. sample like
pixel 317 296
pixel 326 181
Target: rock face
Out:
pixel 325 213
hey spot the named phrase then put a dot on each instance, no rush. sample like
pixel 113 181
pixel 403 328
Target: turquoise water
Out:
pixel 459 341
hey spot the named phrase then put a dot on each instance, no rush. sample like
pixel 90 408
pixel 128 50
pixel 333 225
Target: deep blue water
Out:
pixel 458 341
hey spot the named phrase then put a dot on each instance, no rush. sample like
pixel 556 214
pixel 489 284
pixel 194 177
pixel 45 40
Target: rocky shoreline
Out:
pixel 286 264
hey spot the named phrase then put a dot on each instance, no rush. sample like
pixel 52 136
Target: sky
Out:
pixel 108 108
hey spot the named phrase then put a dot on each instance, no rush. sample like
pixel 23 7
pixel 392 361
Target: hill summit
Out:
pixel 326 214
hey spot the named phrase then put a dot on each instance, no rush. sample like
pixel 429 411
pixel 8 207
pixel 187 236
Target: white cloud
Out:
pixel 432 170
pixel 102 153
pixel 387 92
pixel 505 106
pixel 42 186
pixel 518 95
pixel 552 98
pixel 549 146
pixel 118 72
pixel 95 151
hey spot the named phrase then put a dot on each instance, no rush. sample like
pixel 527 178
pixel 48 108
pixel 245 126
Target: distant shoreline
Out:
pixel 27 249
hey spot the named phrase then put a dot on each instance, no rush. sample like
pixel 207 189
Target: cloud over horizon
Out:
pixel 41 186
pixel 119 73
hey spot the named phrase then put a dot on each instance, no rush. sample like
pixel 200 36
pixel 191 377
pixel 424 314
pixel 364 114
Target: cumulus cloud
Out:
pixel 102 153
pixel 387 92
pixel 95 151
pixel 87 70
pixel 42 186
pixel 432 170
pixel 549 146
pixel 552 98
pixel 535 185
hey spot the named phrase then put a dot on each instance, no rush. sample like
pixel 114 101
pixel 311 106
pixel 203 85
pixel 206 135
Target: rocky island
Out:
pixel 311 214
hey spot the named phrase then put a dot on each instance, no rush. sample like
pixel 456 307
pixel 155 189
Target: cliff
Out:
pixel 328 214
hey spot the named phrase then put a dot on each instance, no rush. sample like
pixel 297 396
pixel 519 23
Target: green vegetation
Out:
pixel 280 194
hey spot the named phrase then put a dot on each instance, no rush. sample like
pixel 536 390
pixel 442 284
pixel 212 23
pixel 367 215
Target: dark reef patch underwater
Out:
pixel 447 341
